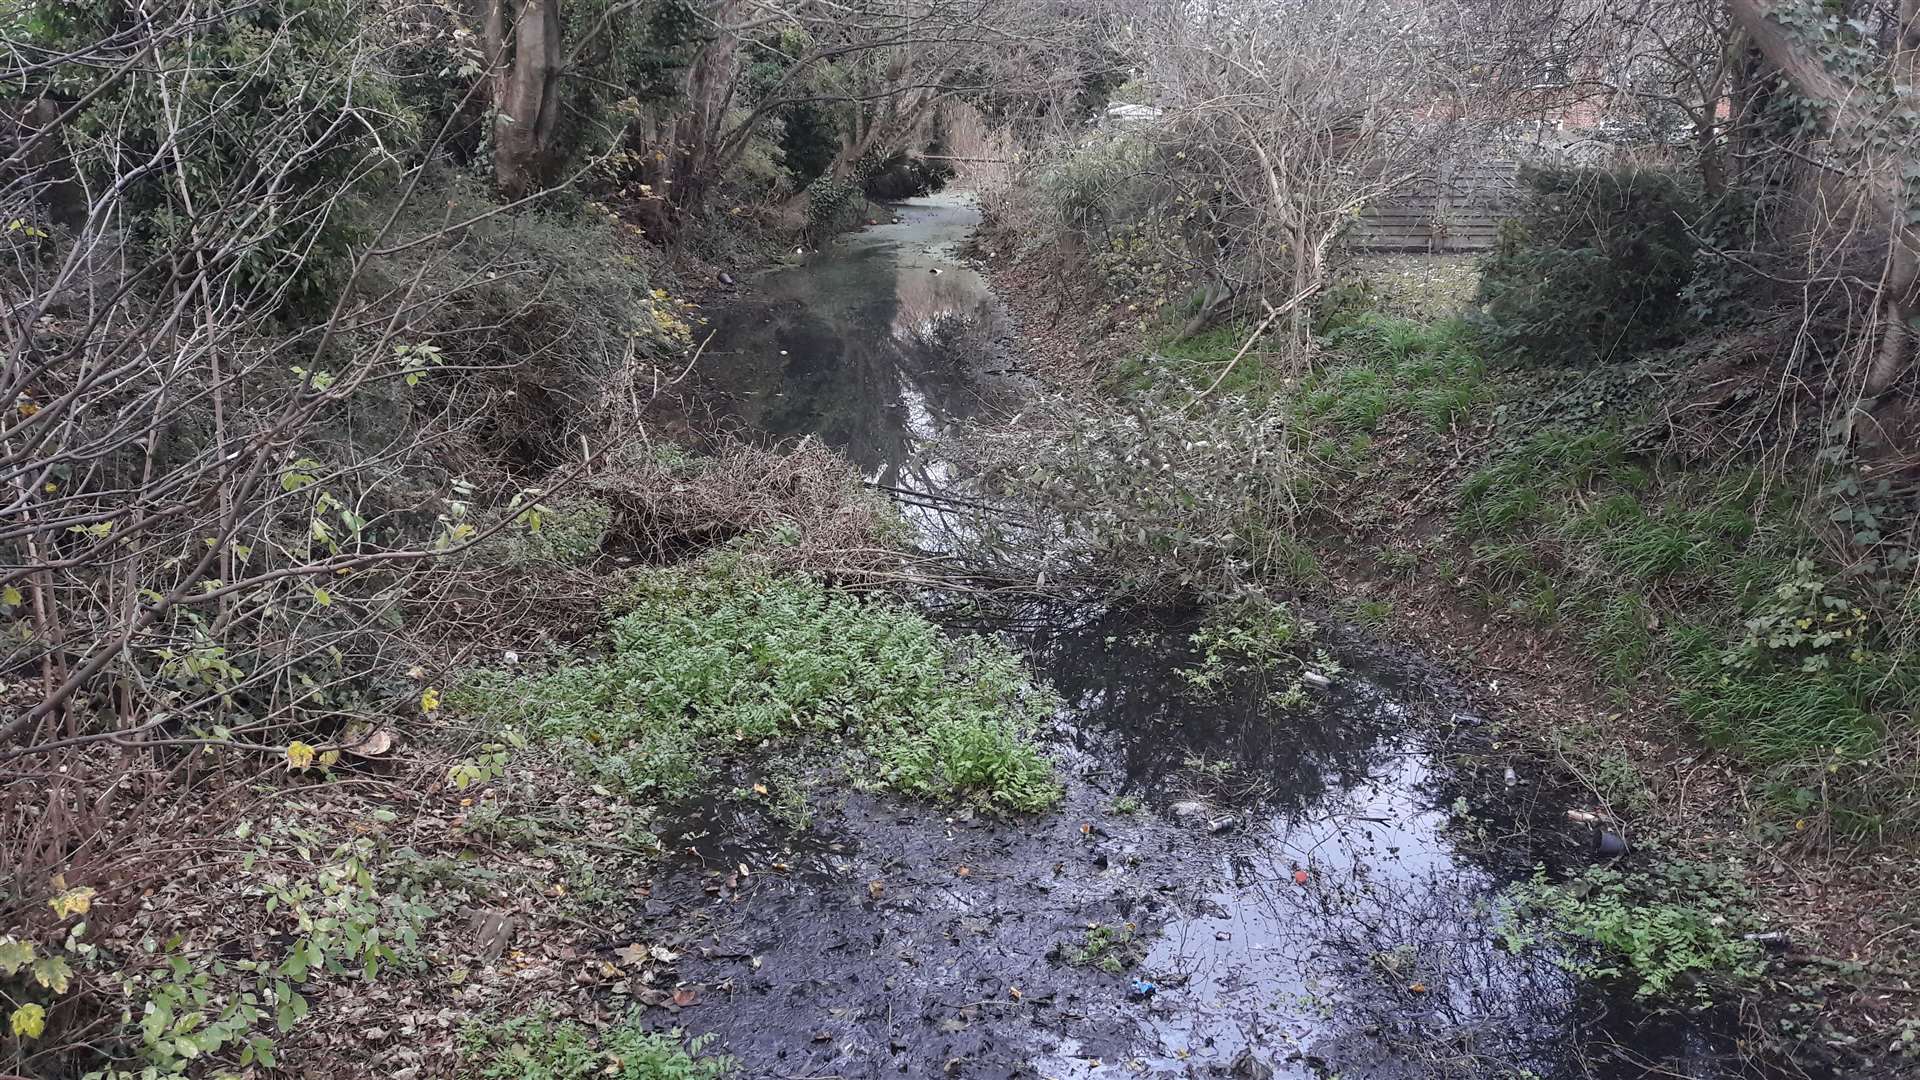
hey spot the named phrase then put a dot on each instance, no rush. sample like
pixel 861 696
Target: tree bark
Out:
pixel 526 94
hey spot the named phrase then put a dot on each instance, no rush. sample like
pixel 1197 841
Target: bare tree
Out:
pixel 1278 124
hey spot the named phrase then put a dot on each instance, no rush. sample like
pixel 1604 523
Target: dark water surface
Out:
pixel 1312 892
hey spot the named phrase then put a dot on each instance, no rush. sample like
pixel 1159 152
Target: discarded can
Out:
pixel 1222 824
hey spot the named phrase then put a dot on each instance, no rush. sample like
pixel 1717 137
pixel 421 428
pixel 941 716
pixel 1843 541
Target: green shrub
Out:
pixel 833 205
pixel 540 1047
pixel 1592 267
pixel 1672 934
pixel 709 660
pixel 288 122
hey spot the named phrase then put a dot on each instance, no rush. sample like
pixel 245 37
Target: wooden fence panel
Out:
pixel 1459 210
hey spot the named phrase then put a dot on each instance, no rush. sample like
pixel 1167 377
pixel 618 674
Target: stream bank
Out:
pixel 1229 887
pixel 1387 553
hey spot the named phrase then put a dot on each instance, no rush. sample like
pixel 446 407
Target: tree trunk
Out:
pixel 526 94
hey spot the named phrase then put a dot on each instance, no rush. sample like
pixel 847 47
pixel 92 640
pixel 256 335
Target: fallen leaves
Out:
pixel 375 744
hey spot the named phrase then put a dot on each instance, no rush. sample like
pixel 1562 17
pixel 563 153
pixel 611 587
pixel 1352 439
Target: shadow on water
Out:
pixel 1309 893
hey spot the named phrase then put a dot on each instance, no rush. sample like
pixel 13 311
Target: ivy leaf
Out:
pixel 29 1021
pixel 53 973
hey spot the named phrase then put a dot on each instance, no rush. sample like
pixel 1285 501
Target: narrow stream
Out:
pixel 1308 893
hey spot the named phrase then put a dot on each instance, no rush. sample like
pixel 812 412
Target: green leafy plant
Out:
pixel 711 660
pixel 1673 934
pixel 1112 949
pixel 1593 266
pixel 1255 637
pixel 540 1047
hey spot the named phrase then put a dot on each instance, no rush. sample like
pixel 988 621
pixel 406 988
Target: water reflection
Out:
pixel 875 347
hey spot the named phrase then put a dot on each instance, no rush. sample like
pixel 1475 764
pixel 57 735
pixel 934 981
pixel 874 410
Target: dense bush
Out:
pixel 541 320
pixel 1592 268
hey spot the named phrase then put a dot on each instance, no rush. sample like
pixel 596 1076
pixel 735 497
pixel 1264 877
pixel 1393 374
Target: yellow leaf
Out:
pixel 430 699
pixel 11 597
pixel 72 902
pixel 29 1021
pixel 28 408
pixel 299 756
pixel 328 758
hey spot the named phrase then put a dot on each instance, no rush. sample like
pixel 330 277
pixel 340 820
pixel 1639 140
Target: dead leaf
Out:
pixel 374 745
pixel 962 871
pixel 685 996
pixel 1418 988
pixel 876 888
pixel 631 955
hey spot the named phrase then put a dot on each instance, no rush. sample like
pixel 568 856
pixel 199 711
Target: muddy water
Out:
pixel 1308 893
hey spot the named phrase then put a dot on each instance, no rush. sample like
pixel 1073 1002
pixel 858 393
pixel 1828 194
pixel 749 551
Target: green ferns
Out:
pixel 709 661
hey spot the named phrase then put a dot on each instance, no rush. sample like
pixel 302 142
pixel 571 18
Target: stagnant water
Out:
pixel 1311 893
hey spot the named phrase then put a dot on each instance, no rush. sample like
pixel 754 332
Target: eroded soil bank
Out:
pixel 1229 887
